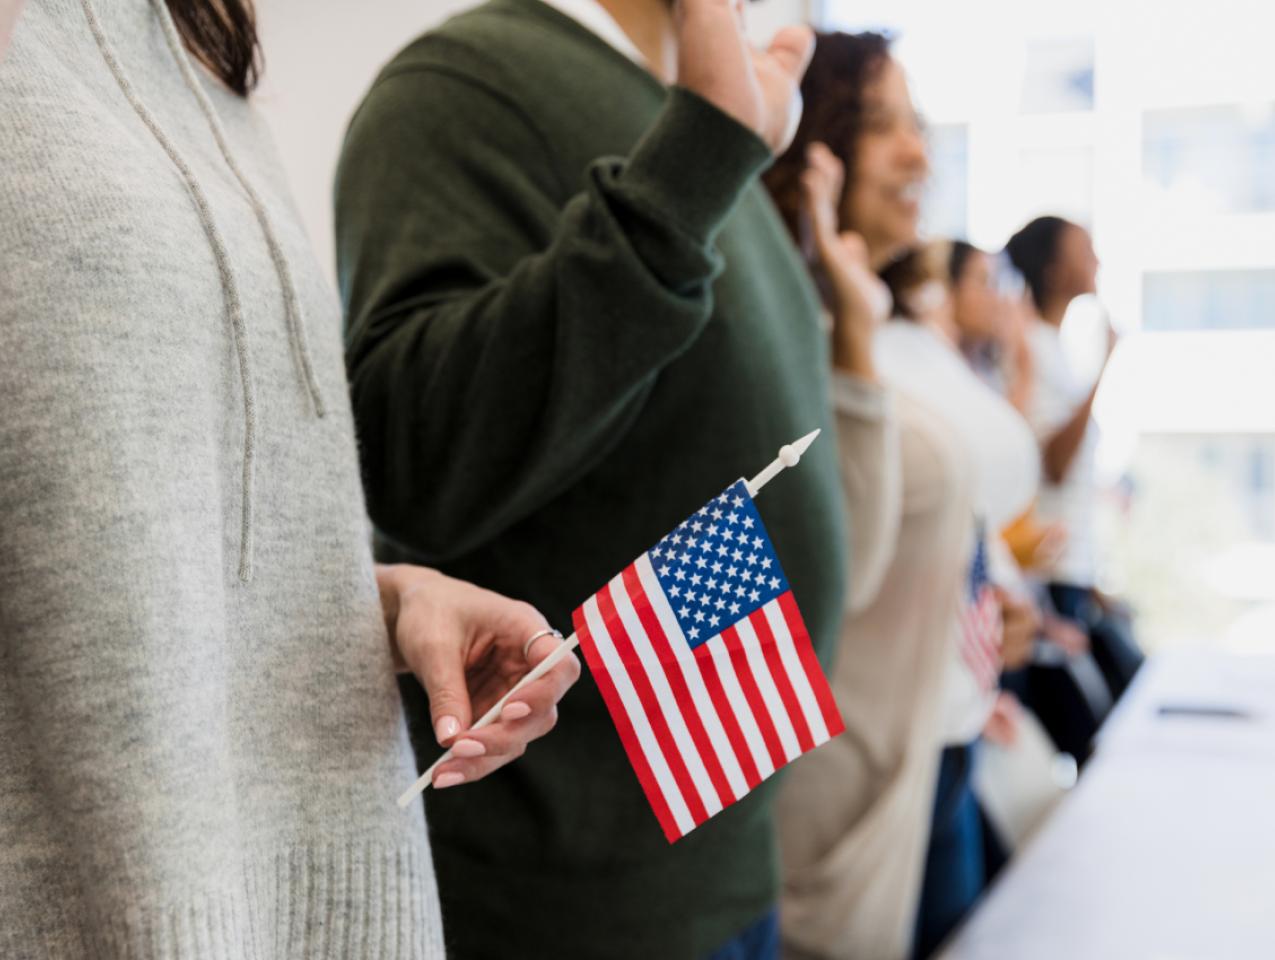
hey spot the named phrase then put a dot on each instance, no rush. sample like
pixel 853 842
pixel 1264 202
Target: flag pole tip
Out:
pixel 790 453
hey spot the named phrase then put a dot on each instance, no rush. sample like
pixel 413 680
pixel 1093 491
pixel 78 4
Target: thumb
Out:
pixel 440 667
pixel 791 48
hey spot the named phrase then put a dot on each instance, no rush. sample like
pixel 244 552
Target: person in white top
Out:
pixel 922 358
pixel 1057 260
pixel 921 353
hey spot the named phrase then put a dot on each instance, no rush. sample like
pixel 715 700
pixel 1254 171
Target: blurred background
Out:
pixel 1152 123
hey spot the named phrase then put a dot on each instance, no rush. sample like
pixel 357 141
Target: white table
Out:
pixel 1165 850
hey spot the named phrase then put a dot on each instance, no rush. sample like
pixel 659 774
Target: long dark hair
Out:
pixel 1033 250
pixel 911 270
pixel 962 252
pixel 941 260
pixel 222 35
pixel 832 94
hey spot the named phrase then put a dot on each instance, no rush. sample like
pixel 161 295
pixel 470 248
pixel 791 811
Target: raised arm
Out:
pixel 1060 449
pixel 501 340
pixel 867 432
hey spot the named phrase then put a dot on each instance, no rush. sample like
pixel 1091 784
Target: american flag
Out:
pixel 981 620
pixel 705 664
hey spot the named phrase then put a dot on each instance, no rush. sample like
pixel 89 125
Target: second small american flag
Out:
pixel 704 662
pixel 980 619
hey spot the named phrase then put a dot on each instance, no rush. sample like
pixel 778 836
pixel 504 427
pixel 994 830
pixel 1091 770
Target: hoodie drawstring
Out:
pixel 230 289
pixel 291 301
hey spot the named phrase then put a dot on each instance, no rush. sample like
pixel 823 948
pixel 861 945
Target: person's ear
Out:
pixel 1051 275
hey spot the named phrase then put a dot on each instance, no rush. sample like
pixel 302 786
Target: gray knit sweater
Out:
pixel 200 736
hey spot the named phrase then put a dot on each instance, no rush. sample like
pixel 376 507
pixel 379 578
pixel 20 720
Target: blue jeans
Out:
pixel 954 871
pixel 758 941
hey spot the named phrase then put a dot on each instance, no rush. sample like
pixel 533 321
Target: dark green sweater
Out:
pixel 574 317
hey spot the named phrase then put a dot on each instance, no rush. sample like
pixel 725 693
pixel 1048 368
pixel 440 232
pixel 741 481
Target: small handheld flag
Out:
pixel 980 619
pixel 705 664
pixel 703 660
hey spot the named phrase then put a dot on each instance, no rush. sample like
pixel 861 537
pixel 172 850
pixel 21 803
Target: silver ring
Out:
pixel 526 647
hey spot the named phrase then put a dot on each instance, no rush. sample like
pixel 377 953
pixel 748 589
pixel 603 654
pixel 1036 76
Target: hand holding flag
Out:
pixel 703 659
pixel 467 646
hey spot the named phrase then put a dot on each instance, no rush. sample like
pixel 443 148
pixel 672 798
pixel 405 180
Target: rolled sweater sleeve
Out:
pixel 501 341
pixel 871 482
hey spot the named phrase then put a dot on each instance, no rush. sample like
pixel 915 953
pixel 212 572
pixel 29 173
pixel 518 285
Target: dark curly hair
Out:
pixel 832 92
pixel 222 35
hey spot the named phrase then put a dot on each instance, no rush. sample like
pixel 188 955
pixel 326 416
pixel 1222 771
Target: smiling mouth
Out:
pixel 908 195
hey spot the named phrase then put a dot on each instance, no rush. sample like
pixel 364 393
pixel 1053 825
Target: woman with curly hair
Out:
pixel 854 815
pixel 884 807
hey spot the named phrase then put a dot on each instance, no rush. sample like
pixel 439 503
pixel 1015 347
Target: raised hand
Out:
pixel 1018 365
pixel 861 300
pixel 760 89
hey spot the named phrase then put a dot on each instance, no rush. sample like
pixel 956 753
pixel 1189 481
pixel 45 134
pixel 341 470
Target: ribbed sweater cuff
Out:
pixel 859 398
pixel 694 163
pixel 326 902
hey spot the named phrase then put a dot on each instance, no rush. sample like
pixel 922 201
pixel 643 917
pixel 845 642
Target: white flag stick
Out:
pixel 789 455
pixel 492 715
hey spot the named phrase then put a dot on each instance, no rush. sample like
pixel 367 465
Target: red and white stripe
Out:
pixel 981 637
pixel 703 726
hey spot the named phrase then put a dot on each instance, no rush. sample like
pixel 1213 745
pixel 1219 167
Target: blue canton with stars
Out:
pixel 718 566
pixel 979 578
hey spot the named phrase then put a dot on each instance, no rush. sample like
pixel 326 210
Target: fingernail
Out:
pixel 446 728
pixel 468 749
pixel 448 780
pixel 515 711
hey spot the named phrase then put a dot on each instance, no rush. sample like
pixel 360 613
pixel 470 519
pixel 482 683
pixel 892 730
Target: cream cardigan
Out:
pixel 853 816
